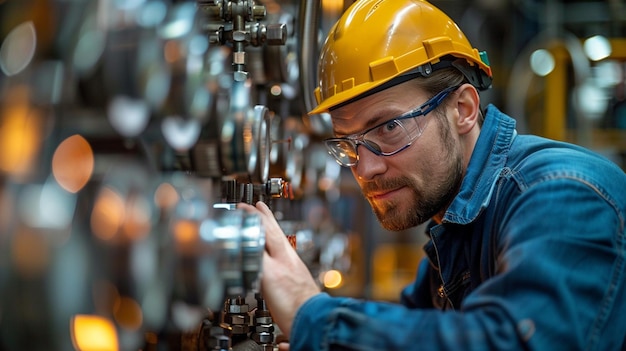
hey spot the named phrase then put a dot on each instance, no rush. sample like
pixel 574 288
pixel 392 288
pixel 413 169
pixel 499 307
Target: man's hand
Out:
pixel 286 282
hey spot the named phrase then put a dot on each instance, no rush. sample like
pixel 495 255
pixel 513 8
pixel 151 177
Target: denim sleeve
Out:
pixel 559 285
pixel 337 323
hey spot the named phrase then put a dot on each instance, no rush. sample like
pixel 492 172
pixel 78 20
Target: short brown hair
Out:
pixel 442 79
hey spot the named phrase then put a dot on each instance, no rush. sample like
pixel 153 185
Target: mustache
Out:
pixel 384 184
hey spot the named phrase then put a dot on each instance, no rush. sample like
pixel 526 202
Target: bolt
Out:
pixel 240 35
pixel 258 12
pixel 240 76
pixel 276 34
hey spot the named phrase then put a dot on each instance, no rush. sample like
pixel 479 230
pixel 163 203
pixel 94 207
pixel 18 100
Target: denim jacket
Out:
pixel 531 255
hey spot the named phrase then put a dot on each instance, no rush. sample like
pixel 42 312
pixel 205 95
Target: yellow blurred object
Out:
pixel 20 133
pixel 394 267
pixel 332 7
pixel 552 120
pixel 93 333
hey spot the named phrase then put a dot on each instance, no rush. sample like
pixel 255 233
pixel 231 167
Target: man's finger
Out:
pixel 275 239
pixel 263 208
pixel 247 207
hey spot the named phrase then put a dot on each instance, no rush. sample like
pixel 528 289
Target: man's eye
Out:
pixel 390 126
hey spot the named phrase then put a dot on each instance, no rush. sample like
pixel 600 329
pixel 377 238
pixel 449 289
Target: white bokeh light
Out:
pixel 592 100
pixel 542 62
pixel 18 49
pixel 597 48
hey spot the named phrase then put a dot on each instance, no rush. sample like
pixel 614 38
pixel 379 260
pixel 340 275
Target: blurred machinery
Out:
pixel 567 75
pixel 129 131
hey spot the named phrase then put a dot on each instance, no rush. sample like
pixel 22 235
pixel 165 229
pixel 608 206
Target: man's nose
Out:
pixel 369 165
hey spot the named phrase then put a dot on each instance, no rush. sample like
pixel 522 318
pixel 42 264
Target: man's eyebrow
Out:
pixel 380 117
pixel 340 135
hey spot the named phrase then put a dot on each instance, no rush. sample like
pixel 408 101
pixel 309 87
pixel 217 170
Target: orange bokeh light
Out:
pixel 172 51
pixel 186 231
pixel 73 163
pixel 108 214
pixel 128 313
pixel 332 279
pixel 166 196
pixel 136 223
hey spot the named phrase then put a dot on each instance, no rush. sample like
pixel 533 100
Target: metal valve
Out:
pixel 243 29
pixel 278 188
pixel 234 192
pixel 227 10
pixel 256 34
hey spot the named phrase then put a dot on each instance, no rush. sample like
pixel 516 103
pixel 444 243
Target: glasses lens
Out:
pixel 389 137
pixel 344 151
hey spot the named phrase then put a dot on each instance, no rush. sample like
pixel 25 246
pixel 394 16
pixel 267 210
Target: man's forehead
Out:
pixel 373 109
pixel 356 116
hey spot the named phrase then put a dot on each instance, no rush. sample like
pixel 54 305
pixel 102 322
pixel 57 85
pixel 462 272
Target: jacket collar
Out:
pixel 487 161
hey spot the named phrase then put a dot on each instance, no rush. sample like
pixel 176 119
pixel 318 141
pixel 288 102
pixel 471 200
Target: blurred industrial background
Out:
pixel 129 129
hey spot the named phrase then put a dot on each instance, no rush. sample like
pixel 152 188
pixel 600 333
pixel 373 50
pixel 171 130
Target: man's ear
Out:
pixel 468 107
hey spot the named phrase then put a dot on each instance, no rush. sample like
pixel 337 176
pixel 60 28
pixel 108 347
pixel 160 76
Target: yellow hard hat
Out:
pixel 376 41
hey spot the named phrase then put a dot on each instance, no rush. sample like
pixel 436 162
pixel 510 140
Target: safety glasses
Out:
pixel 387 138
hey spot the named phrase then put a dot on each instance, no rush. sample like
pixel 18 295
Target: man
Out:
pixel 528 246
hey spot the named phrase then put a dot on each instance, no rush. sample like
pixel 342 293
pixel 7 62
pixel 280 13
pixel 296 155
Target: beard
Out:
pixel 397 215
pixel 424 203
